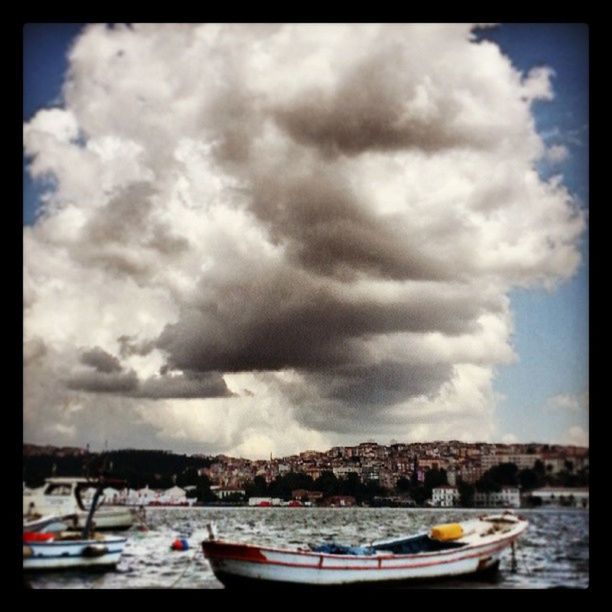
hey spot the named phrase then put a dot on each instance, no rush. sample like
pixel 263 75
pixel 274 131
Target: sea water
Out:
pixel 552 553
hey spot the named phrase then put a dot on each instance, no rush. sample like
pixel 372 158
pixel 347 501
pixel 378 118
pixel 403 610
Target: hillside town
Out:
pixel 437 474
pixel 387 464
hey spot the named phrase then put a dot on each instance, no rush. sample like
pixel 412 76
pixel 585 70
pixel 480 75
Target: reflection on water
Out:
pixel 554 552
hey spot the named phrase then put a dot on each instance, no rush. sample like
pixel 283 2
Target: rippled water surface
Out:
pixel 554 552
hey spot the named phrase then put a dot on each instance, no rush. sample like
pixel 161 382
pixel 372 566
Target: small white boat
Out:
pixel 454 549
pixel 49 544
pixel 69 550
pixel 63 496
pixel 48 524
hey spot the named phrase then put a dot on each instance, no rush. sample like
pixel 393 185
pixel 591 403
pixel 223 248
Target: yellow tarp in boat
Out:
pixel 448 531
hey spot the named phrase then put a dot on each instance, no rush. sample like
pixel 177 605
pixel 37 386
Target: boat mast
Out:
pixel 87 529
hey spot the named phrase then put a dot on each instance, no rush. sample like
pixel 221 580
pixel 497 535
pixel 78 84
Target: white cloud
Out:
pixel 569 402
pixel 557 154
pixel 577 436
pixel 537 84
pixel 66 431
pixel 330 216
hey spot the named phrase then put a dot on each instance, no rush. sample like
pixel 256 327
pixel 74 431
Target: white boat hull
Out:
pixel 50 501
pixel 104 553
pixel 245 564
pixel 111 519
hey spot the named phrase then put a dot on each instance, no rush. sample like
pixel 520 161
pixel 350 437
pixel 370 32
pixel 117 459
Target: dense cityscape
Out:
pixel 417 474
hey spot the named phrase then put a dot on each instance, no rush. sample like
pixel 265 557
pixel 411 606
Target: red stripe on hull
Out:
pixel 237 552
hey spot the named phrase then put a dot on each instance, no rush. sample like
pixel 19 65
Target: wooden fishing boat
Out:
pixel 454 549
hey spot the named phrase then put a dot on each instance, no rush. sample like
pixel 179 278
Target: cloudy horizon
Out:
pixel 264 239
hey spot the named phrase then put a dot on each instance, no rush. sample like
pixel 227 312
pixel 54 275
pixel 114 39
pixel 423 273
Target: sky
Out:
pixel 253 239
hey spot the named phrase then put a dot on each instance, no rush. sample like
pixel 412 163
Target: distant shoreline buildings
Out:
pixel 466 462
pixel 387 466
pixel 377 462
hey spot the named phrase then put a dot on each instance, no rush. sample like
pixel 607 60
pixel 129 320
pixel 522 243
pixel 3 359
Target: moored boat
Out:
pixel 47 524
pixel 63 496
pixel 47 551
pixel 456 549
pixel 56 542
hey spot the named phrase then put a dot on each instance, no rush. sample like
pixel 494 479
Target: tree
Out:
pixel 351 485
pixel 529 479
pixel 258 488
pixel 434 478
pixel 403 485
pixel 373 489
pixel 466 494
pixel 283 486
pixel 203 492
pixel 327 483
pixel 503 474
pixel 419 495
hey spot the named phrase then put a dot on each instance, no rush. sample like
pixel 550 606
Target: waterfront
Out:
pixel 554 552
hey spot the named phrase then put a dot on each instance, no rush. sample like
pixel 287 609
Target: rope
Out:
pixel 177 580
pixel 98 582
pixel 141 517
pixel 139 525
pixel 524 563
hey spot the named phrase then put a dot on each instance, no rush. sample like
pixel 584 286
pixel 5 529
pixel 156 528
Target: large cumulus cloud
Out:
pixel 256 230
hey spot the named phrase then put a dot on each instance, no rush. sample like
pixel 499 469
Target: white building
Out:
pixel 521 460
pixel 561 496
pixel 445 496
pixel 224 492
pixel 554 464
pixel 344 470
pixel 112 496
pixel 129 497
pixel 173 496
pixel 508 497
pixel 264 501
pixel 145 496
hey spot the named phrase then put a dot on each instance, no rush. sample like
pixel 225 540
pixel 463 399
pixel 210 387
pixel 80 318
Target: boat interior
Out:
pixel 416 544
pixel 60 536
pixel 441 537
pixel 407 546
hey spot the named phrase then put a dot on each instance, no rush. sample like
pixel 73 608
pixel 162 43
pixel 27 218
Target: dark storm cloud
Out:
pixel 184 386
pixel 123 238
pixel 125 212
pixel 101 360
pixel 384 383
pixel 286 320
pixel 375 107
pixel 109 376
pixel 156 387
pixel 343 417
pixel 344 398
pixel 328 229
pixel 130 345
pixel 104 382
